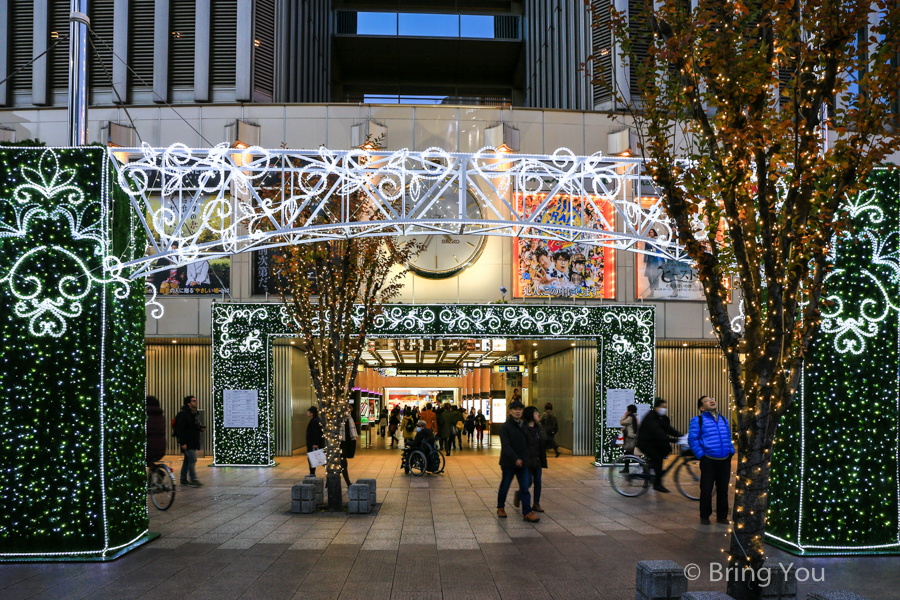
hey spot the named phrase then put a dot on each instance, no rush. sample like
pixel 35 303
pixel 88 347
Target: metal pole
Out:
pixel 78 41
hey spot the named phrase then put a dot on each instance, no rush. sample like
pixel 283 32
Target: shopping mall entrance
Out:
pixel 574 356
pixel 479 376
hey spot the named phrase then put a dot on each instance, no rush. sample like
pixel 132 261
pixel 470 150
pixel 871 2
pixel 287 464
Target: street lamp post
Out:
pixel 78 40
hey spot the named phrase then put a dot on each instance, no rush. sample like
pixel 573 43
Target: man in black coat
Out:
pixel 188 429
pixel 653 440
pixel 513 459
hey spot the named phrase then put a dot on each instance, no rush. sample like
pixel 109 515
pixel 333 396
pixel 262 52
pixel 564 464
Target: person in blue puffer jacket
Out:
pixel 709 437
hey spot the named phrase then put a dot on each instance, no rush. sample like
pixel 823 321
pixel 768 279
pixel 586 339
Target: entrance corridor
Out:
pixel 431 538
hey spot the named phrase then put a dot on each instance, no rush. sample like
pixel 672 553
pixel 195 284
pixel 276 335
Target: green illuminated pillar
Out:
pixel 834 485
pixel 72 433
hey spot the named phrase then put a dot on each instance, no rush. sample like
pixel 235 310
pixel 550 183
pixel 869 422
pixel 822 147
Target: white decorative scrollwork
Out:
pixel 48 298
pixel 202 204
pixel 401 318
pixel 643 321
pixel 853 322
pixel 242 317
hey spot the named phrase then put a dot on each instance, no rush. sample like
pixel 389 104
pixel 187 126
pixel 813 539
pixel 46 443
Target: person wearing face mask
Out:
pixel 423 434
pixel 654 440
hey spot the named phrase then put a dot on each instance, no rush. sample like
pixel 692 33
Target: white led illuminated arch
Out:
pixel 217 192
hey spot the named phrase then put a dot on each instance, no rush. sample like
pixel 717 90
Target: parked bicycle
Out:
pixel 161 485
pixel 631 475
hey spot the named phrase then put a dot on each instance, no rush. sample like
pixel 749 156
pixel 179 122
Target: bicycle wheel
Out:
pixel 161 487
pixel 630 476
pixel 418 464
pixel 687 478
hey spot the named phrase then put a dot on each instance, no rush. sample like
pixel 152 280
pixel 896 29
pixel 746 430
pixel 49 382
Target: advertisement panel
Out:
pixel 202 277
pixel 557 268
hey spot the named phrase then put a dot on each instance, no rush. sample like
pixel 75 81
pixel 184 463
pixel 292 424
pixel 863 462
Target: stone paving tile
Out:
pixel 435 538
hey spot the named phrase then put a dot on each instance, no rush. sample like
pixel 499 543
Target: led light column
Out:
pixel 834 485
pixel 72 437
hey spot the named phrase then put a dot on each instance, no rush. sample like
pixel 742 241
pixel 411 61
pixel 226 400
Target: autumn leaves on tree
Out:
pixel 758 121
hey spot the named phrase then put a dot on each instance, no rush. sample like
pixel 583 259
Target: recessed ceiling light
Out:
pixel 174 341
pixel 534 344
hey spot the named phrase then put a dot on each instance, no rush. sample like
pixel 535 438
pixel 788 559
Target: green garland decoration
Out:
pixel 72 427
pixel 834 481
pixel 242 337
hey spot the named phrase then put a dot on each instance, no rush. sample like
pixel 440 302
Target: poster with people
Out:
pixel 556 268
pixel 197 278
pixel 659 278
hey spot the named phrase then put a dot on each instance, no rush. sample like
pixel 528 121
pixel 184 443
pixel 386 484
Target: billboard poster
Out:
pixel 199 278
pixel 543 268
pixel 264 272
pixel 658 278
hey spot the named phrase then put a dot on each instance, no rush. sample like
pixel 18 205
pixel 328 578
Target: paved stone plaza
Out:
pixel 430 538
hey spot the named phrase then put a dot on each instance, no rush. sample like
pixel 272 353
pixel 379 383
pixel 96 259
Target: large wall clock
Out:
pixel 446 255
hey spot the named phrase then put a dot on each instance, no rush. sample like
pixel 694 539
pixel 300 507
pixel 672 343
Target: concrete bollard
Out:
pixel 372 490
pixel 660 580
pixel 320 488
pixel 359 499
pixel 833 596
pixel 782 580
pixel 303 498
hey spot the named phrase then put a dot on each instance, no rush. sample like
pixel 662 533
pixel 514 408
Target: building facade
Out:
pixel 453 75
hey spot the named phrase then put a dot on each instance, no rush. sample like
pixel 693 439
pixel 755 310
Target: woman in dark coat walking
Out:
pixel 537 454
pixel 156 431
pixel 315 436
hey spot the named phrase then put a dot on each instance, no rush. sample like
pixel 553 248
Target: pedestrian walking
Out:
pixel 537 455
pixel 188 429
pixel 709 437
pixel 480 425
pixel 654 440
pixel 408 427
pixel 459 422
pixel 445 425
pixel 156 431
pixel 551 427
pixel 383 422
pixel 430 418
pixel 393 426
pixel 315 434
pixel 348 437
pixel 630 424
pixel 513 456
pixel 470 429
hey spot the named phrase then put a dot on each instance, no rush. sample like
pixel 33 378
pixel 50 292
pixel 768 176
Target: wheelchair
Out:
pixel 418 461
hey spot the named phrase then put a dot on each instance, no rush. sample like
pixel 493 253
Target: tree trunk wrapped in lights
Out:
pixel 325 287
pixel 736 103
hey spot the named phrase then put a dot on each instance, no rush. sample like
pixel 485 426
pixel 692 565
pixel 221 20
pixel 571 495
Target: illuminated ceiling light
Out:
pixel 502 136
pixel 534 344
pixel 174 341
